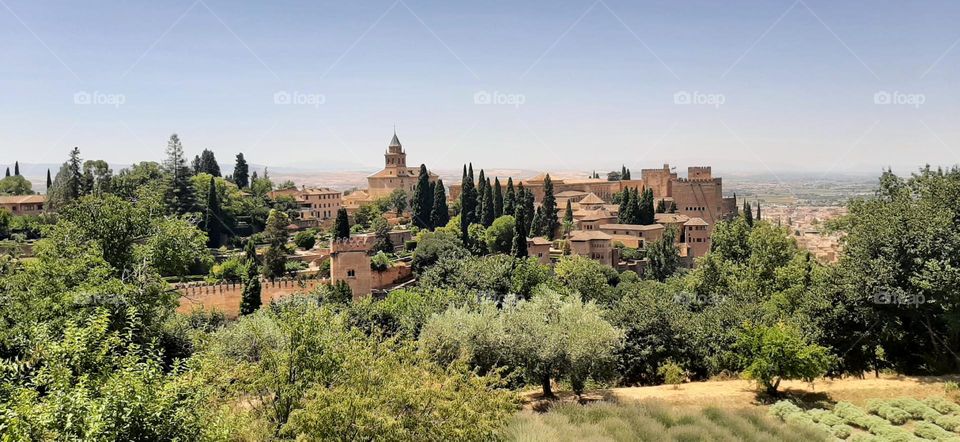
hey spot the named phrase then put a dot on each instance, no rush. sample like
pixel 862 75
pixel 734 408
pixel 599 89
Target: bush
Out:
pixel 672 373
pixel 942 405
pixel 883 409
pixel 779 352
pixel 927 430
pixel 305 240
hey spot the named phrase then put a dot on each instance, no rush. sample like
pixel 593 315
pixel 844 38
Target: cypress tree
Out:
pixel 250 254
pixel 241 172
pixel 49 181
pixel 179 196
pixel 75 178
pixel 510 199
pixel 195 164
pixel 467 200
pixel 550 222
pixel 16 168
pixel 488 212
pixel 250 299
pixel 748 213
pixel 8 172
pixel 623 172
pixel 568 215
pixel 626 207
pixel 474 213
pixel 758 210
pixel 212 222
pixel 519 247
pixel 528 209
pixel 341 226
pixel 646 207
pixel 422 200
pixel 440 215
pixel 538 226
pixel 661 206
pixel 481 188
pixel 497 198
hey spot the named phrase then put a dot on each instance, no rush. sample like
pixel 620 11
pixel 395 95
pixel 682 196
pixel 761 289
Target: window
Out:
pixel 351 274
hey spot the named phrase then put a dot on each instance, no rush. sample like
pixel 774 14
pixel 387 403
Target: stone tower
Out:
pixel 395 156
pixel 349 262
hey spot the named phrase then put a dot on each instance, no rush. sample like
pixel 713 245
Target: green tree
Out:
pixel 173 246
pixel 589 278
pixel 467 203
pixel 97 177
pixel 49 181
pixel 275 260
pixel 381 230
pixel 663 256
pixel 647 212
pixel 341 226
pixel 241 172
pixel 15 185
pixel 551 224
pixel 213 216
pixel 497 198
pixel 250 299
pixel 208 163
pixel 440 214
pixel 180 197
pixel 422 200
pixel 748 214
pixel 500 235
pixel 487 211
pixel 434 246
pixel 568 213
pixel 625 213
pixel 779 352
pixel 399 200
pixel 305 239
pixel 518 248
pixel 509 199
pixel 538 226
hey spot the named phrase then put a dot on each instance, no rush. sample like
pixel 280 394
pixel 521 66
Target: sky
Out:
pixel 764 86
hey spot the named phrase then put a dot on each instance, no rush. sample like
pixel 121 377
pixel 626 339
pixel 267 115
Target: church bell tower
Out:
pixel 395 156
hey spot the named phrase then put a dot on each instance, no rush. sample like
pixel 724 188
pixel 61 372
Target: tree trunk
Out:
pixel 772 388
pixel 545 383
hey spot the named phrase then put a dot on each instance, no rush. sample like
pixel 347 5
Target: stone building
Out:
pixel 350 262
pixel 395 173
pixel 539 247
pixel 23 204
pixel 595 245
pixel 319 204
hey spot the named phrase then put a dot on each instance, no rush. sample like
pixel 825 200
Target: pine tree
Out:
pixel 250 300
pixel 519 247
pixel 341 227
pixel 212 222
pixel 195 164
pixel 550 222
pixel 75 178
pixel 208 163
pixel 241 172
pixel 510 198
pixel 179 196
pixel 422 200
pixel 440 215
pixel 497 198
pixel 748 213
pixel 16 168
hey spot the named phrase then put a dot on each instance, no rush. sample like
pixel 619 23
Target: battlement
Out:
pixel 699 172
pixel 698 180
pixel 352 244
pixel 665 168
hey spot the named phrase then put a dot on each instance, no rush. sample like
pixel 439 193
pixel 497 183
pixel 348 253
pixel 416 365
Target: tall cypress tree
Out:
pixel 520 203
pixel 16 168
pixel 758 210
pixel 75 179
pixel 8 172
pixel 487 215
pixel 208 163
pixel 422 200
pixel 49 181
pixel 528 208
pixel 481 188
pixel 647 210
pixel 212 221
pixel 341 226
pixel 497 198
pixel 440 215
pixel 510 199
pixel 519 246
pixel 626 207
pixel 637 210
pixel 467 201
pixel 568 215
pixel 538 227
pixel 748 213
pixel 550 222
pixel 179 196
pixel 241 172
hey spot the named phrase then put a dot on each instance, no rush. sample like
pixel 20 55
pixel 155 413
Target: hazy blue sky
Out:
pixel 776 85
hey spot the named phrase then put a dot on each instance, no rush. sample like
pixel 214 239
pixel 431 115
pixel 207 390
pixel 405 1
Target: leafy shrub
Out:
pixel 305 240
pixel 927 430
pixel 942 405
pixel 841 431
pixel 672 373
pixel 892 414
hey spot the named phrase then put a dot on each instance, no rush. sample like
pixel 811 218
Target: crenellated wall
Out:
pixel 226 297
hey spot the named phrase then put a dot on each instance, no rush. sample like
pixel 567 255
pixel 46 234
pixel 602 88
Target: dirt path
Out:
pixel 743 393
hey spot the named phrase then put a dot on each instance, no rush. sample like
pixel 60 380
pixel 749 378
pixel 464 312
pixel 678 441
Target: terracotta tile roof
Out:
pixel 587 235
pixel 670 218
pixel 592 198
pixel 23 199
pixel 631 227
pixel 696 222
pixel 540 241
